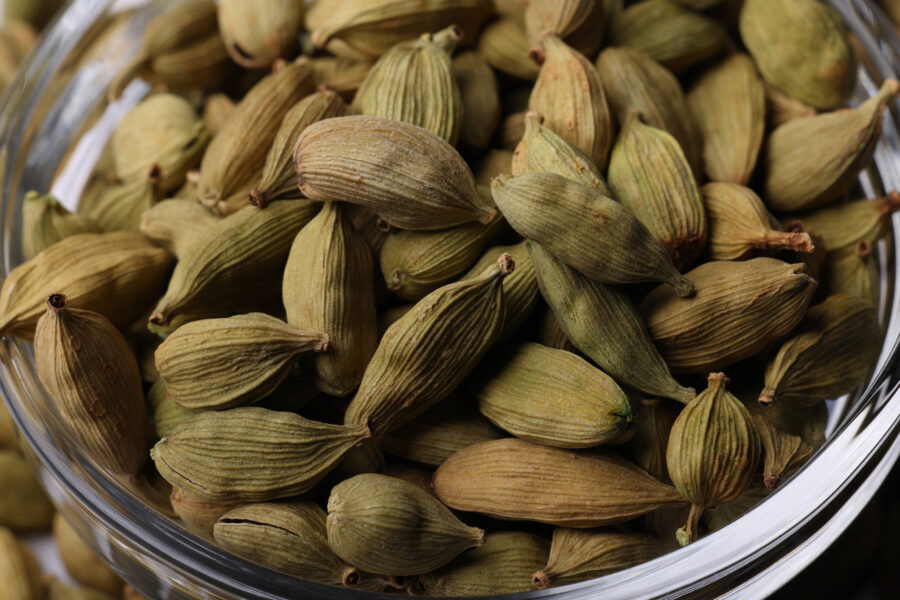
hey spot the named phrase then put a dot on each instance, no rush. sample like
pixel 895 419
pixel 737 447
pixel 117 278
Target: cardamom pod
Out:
pixel 579 23
pixel 566 217
pixel 569 94
pixel 18 568
pixel 343 75
pixel 781 108
pixel 738 309
pixel 45 221
pixel 121 207
pixel 651 177
pixel 54 589
pixel 814 161
pixel 9 438
pixel 581 554
pixel 516 480
pixel 815 260
pixel 806 422
pixel 729 511
pixel 739 224
pixel 409 176
pixel 203 64
pixel 835 348
pixel 370 226
pixel 176 224
pixel 387 526
pixel 411 473
pixel 505 45
pixel 81 562
pixel 495 162
pixel 389 316
pixel 846 225
pixel 647 447
pixel 165 413
pixel 783 453
pixel 713 452
pixel 800 48
pixel 23 504
pixel 512 130
pixel 551 397
pixel 289 537
pixel 514 9
pixel 258 34
pixel 550 332
pixel 198 514
pixel 425 355
pixel 90 372
pixel 853 271
pixel 327 286
pixel 480 93
pixel 728 102
pixel 217 109
pixel 217 455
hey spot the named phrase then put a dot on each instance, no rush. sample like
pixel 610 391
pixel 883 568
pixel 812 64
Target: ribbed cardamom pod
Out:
pixel 159 140
pixel 425 355
pixel 835 348
pixel 739 307
pixel 18 568
pixel 651 177
pixel 634 80
pixel 92 376
pixel 781 108
pixel 503 565
pixel 236 156
pixel 279 181
pixel 176 224
pixel 343 75
pixel 258 34
pixel 54 589
pixel 569 94
pixel 783 453
pixel 217 455
pixel 815 260
pixel 579 23
pixel 739 224
pixel 45 221
pixel 413 82
pixel 505 45
pixel 23 504
pixel 387 526
pixel 223 363
pixel 846 225
pixel 327 286
pixel 551 397
pixel 114 274
pixel 204 64
pixel 415 263
pixel 223 270
pixel 480 92
pixel 806 422
pixel 165 412
pixel 568 217
pixel 516 480
pixel 674 37
pixel 198 514
pixel 713 453
pixel 409 176
pixel 601 321
pixel 647 447
pixel 368 224
pixel 432 437
pixel 289 537
pixel 217 109
pixel 544 151
pixel 82 563
pixel 800 47
pixel 853 271
pixel 495 162
pixel 581 554
pixel 120 207
pixel 728 102
pixel 550 332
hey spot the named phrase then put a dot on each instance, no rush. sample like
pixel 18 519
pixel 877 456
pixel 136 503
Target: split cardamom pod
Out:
pixel 45 221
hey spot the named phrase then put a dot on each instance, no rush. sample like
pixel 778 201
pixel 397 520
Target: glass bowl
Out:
pixel 42 116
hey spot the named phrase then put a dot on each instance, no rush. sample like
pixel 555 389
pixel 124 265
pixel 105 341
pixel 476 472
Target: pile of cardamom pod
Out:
pixel 420 293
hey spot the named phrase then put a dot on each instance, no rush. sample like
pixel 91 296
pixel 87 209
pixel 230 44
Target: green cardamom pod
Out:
pixel 505 45
pixel 217 454
pixel 387 526
pixel 550 332
pixel 45 221
pixel 23 504
pixel 647 447
pixel 813 261
pixel 166 413
pixel 806 422
pixel 176 224
pixel 846 225
pixel 343 75
pixel 713 452
pixel 783 453
pixel 204 64
pixel 411 473
pixel 579 23
pixel 738 309
pixel 480 92
pixel 199 515
pixel 82 563
pixel 18 568
pixel 121 207
pixel 567 217
pixel 853 271
pixel 217 109
pixel 256 35
pixel 781 108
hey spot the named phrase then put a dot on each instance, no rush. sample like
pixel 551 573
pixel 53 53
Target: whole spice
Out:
pixel 853 271
pixel 20 571
pixel 580 23
pixel 846 225
pixel 258 34
pixel 121 207
pixel 480 92
pixel 505 45
pixel 81 562
pixel 45 221
pixel 176 224
pixel 647 447
pixel 782 452
pixel 198 514
pixel 23 504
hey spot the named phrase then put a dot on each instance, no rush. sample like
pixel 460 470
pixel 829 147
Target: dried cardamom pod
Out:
pixel 581 554
pixel 647 447
pixel 327 286
pixel 833 351
pixel 166 413
pixel 853 271
pixel 505 45
pixel 217 109
pixel 217 455
pixel 806 422
pixel 634 80
pixel 45 221
pixel 674 37
pixel 516 480
pixel 566 217
pixel 80 561
pixel 387 526
pixel 601 321
pixel 781 108
pixel 90 372
pixel 288 537
pixel 203 64
pixel 18 568
pixel 23 504
pixel 411 473
pixel 651 177
pixel 503 565
pixel 414 82
pixel 236 156
pixel 343 75
pixel 425 355
pixel 120 207
pixel 846 225
pixel 480 92
pixel 543 151
pixel 783 453
pixel 800 47
pixel 495 162
pixel 569 94
pixel 279 181
pixel 198 514
pixel 739 224
pixel 814 161
pixel 159 140
pixel 222 270
pixel 551 334
pixel 409 176
pixel 815 260
pixel 176 224
pixel 551 397
pixel 728 102
pixel 258 34
pixel 512 130
pixel 729 511
pixel 223 363
pixel 713 452
pixel 579 23
pixel 739 307
pixel 54 589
